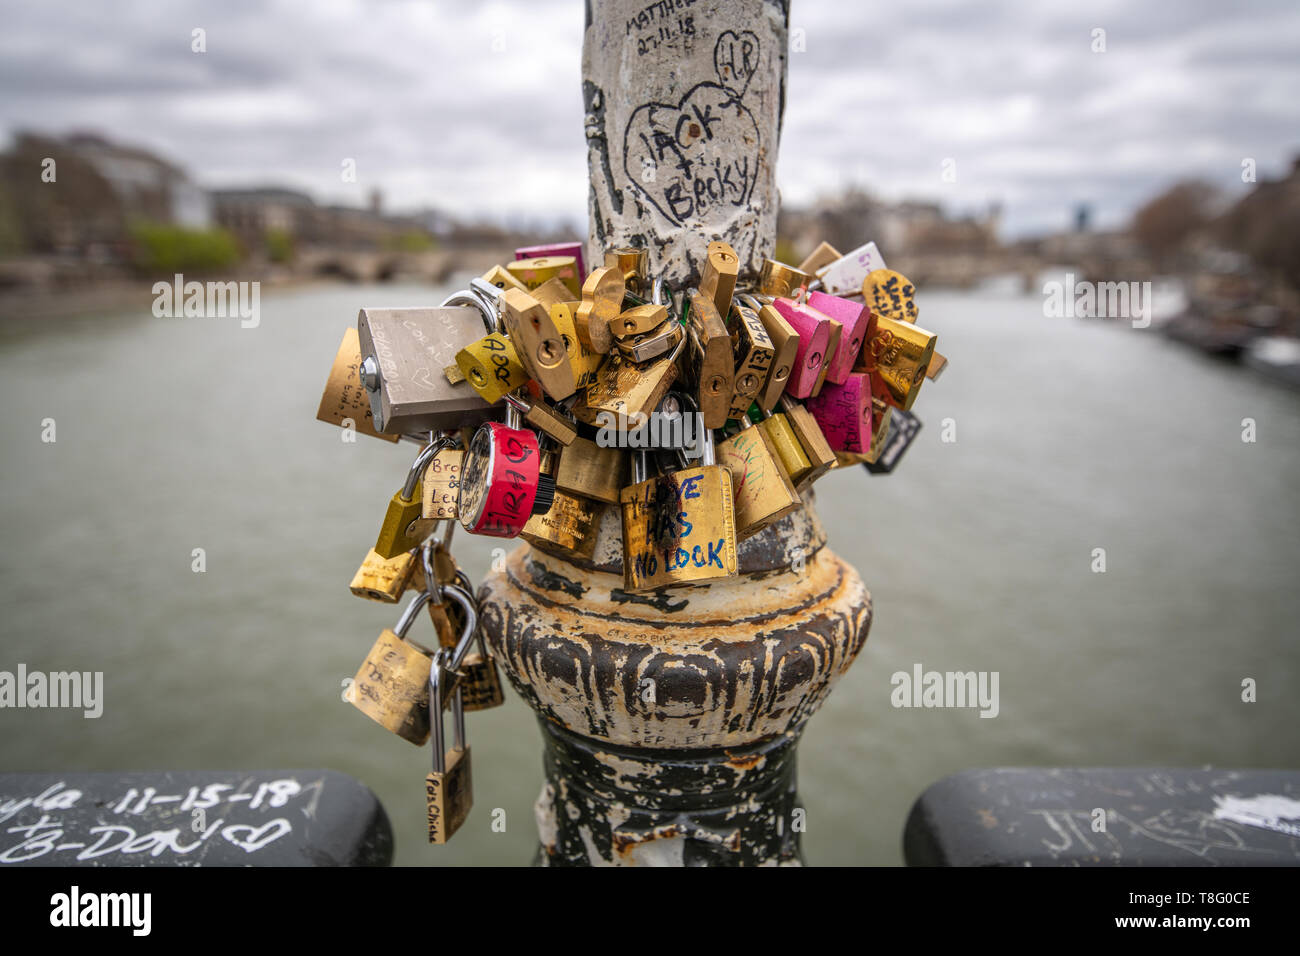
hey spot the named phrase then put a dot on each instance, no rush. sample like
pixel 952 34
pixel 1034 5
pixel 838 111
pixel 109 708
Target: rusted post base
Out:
pixel 603 805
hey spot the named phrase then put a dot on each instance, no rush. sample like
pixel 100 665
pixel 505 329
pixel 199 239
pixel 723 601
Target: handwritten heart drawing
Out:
pixel 692 157
pixel 735 59
pixel 258 837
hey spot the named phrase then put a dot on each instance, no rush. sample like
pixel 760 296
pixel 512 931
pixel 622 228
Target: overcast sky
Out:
pixel 883 94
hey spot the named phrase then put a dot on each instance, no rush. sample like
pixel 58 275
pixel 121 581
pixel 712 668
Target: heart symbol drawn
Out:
pixel 701 153
pixel 735 59
pixel 258 837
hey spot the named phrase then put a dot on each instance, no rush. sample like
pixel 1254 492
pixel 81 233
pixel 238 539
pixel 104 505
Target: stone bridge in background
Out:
pixel 366 265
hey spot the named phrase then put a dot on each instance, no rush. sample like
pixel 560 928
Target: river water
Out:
pixel 1070 435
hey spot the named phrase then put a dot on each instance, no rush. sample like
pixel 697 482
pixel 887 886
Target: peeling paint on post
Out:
pixel 684 103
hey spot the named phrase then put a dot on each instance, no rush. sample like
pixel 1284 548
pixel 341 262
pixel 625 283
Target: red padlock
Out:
pixel 501 484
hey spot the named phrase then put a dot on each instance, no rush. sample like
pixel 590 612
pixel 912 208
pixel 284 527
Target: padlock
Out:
pixel 533 272
pixel 571 523
pixel 718 276
pixel 763 493
pixel 778 279
pixel 626 389
pixel 544 418
pixel 501 483
pixel 882 415
pixel 392 685
pixel 832 345
pixel 442 484
pixel 814 330
pixel 890 294
pixel 436 569
pixel 819 258
pixel 781 437
pixel 633 264
pixel 602 300
pixel 903 429
pixel 500 277
pixel 897 356
pixel 588 470
pixel 404 525
pixel 403 354
pixel 344 400
pixel 474 672
pixel 844 276
pixel 638 319
pixel 753 351
pixel 858 322
pixel 491 367
pixel 584 359
pixel 383 579
pixel 449 788
pixel 574 249
pixel 844 413
pixel 680 527
pixel 785 346
pixel 652 344
pixel 538 343
pixel 713 372
pixel 811 439
pixel 553 292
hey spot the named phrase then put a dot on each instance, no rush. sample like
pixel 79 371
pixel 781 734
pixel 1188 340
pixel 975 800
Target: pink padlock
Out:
pixel 814 330
pixel 556 249
pixel 843 412
pixel 858 321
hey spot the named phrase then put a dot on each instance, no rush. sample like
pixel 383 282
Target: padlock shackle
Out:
pixel 409 614
pixel 474 299
pixel 426 455
pixel 467 603
pixel 432 587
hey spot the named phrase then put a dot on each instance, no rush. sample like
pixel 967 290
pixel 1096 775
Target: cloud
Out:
pixel 476 108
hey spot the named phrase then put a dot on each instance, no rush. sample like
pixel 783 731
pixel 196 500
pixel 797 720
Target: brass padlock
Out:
pixel 588 470
pixel 383 579
pixel 553 292
pixel 344 399
pixel 442 484
pixel 538 343
pixel 533 272
pixel 890 294
pixel 763 493
pixel 678 528
pixel 811 439
pixel 626 389
pixel 713 372
pixel 392 685
pixel 545 419
pixel 480 680
pixel 602 300
pixel 778 279
pixel 897 357
pixel 500 277
pixel 449 788
pixel 584 359
pixel 652 344
pixel 718 275
pixel 785 348
pixel 633 264
pixel 781 437
pixel 404 525
pixel 819 258
pixel 754 354
pixel 638 319
pixel 491 366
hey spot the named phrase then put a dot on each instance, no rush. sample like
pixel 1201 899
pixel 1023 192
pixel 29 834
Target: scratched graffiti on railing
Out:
pixel 69 827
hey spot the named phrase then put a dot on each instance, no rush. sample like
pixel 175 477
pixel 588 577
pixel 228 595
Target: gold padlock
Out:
pixel 882 413
pixel 718 276
pixel 626 389
pixel 545 419
pixel 533 272
pixel 570 526
pixel 678 528
pixel 762 491
pixel 778 279
pixel 588 470
pixel 392 685
pixel 449 788
pixel 781 437
pixel 383 579
pixel 602 300
pixel 633 264
pixel 553 292
pixel 404 525
pixel 502 279
pixel 819 258
pixel 537 342
pixel 713 372
pixel 785 347
pixel 890 294
pixel 492 367
pixel 754 353
pixel 344 400
pixel 585 360
pixel 442 484
pixel 811 439
pixel 897 357
pixel 638 319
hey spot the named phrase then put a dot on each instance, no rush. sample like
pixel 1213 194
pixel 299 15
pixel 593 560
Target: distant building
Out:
pixel 148 187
